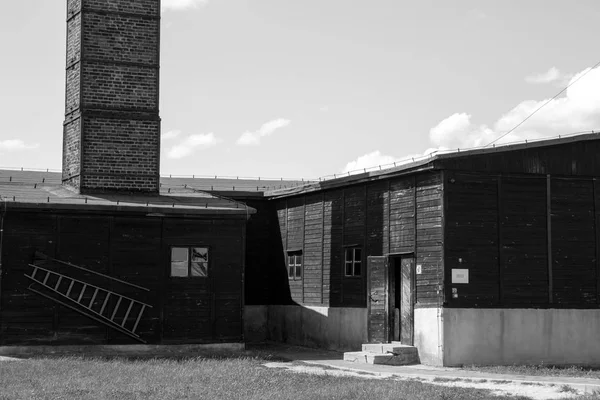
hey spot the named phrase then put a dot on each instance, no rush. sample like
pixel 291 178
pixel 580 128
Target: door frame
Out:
pixel 389 296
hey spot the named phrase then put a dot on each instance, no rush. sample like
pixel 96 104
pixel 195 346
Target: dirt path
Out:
pixel 534 390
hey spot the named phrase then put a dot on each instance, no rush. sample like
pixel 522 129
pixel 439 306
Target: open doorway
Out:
pixel 391 288
pixel 402 291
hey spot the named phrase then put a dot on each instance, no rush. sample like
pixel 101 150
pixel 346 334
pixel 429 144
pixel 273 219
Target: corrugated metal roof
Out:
pixel 41 189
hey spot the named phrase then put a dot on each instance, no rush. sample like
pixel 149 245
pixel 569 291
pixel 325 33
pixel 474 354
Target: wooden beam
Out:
pixel 303 241
pixel 595 193
pixel 549 235
pixel 500 222
pixel 323 248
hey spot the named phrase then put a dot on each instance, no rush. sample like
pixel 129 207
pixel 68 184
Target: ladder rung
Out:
pixel 58 282
pixel 137 321
pixel 70 287
pixel 35 269
pixel 112 318
pixel 46 278
pixel 104 304
pixel 82 292
pixel 127 313
pixel 93 298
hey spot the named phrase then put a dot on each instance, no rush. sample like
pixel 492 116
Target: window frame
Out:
pixel 353 262
pixel 295 254
pixel 189 261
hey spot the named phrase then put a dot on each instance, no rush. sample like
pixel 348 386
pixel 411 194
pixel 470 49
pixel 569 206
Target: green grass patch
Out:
pixel 201 378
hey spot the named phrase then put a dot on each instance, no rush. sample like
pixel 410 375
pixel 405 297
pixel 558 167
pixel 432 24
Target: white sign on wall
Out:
pixel 460 276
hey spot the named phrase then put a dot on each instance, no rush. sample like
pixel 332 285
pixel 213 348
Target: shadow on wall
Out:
pixel 266 280
pixel 339 328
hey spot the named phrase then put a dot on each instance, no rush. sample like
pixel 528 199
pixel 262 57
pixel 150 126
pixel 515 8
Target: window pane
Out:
pixel 179 261
pixel 290 260
pixel 298 260
pixel 179 254
pixel 199 269
pixel 200 254
pixel 179 268
pixel 357 255
pixel 298 271
pixel 348 255
pixel 291 271
pixel 357 269
pixel 349 268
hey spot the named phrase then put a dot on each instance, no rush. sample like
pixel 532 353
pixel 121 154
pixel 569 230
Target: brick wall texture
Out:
pixel 111 139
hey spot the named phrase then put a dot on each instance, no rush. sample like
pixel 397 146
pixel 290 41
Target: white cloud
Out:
pixel 369 160
pixel 253 138
pixel 375 158
pixel 16 145
pixel 192 144
pixel 181 4
pixel 578 110
pixel 552 75
pixel 170 135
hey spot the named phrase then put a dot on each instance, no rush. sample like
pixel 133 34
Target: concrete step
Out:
pixel 386 348
pixel 366 357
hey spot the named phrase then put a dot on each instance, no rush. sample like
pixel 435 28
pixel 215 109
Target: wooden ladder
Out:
pixel 71 293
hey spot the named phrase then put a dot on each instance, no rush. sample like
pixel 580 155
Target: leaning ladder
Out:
pixel 71 294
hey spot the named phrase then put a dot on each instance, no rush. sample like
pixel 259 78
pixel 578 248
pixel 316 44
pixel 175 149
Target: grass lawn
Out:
pixel 213 378
pixel 541 370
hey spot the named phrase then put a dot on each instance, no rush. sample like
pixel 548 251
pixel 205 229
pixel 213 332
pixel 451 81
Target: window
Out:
pixel 189 262
pixel 354 261
pixel 295 266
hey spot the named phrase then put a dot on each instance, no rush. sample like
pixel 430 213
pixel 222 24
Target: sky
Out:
pixel 305 89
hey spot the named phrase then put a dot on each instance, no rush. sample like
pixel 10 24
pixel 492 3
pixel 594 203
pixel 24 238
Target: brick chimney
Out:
pixel 111 136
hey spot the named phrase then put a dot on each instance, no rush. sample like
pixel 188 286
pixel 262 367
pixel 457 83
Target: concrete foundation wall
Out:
pixel 521 336
pixel 255 323
pixel 341 329
pixel 429 335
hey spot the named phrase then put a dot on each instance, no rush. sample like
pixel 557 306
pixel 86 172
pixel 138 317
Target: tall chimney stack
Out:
pixel 111 136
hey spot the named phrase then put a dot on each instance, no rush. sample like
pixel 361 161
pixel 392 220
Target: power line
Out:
pixel 543 105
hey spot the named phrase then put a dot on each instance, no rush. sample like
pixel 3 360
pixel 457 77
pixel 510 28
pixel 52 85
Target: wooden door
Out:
pixel 407 304
pixel 378 299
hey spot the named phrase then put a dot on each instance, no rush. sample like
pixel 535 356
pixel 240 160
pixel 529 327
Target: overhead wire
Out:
pixel 543 105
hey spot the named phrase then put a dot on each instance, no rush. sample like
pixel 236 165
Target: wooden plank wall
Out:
pixel 567 159
pixel 429 240
pixel 527 240
pixel 332 248
pixel 23 314
pixel 573 243
pixel 313 249
pixel 380 217
pixel 135 249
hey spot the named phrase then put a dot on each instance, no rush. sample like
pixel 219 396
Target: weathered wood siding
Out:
pixel 381 217
pixel 566 159
pixel 573 243
pixel 132 248
pixel 527 240
pixel 313 249
pixel 332 248
pixel 429 240
pixel 523 221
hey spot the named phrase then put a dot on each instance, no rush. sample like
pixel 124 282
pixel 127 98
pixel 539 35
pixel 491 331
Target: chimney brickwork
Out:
pixel 111 137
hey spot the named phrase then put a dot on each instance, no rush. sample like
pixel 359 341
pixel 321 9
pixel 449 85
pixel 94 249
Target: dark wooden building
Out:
pixel 77 268
pixel 482 256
